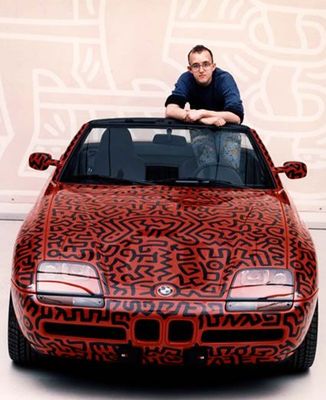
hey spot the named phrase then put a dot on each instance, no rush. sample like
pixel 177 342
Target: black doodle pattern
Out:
pixel 137 237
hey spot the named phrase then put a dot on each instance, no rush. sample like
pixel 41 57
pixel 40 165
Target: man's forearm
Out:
pixel 174 111
pixel 228 116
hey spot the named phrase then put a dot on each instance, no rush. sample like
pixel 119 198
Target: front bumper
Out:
pixel 162 332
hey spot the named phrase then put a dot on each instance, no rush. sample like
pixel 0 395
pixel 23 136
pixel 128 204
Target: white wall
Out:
pixel 65 62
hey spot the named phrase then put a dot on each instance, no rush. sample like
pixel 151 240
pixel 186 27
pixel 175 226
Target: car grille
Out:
pixel 146 330
pixel 180 331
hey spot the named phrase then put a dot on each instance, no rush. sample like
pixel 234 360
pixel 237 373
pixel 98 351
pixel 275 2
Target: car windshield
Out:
pixel 168 156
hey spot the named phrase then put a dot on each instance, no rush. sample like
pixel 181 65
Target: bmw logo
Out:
pixel 165 290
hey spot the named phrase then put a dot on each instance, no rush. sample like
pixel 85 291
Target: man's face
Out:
pixel 202 67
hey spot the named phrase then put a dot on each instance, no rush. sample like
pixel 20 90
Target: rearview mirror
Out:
pixel 293 169
pixel 41 161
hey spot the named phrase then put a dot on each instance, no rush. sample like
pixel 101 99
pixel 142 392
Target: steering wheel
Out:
pixel 225 172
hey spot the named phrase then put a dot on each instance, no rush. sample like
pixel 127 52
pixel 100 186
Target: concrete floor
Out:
pixel 89 382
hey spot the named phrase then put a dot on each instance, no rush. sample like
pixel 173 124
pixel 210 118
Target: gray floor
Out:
pixel 82 382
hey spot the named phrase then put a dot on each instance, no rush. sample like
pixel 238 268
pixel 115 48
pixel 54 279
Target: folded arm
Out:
pixel 207 117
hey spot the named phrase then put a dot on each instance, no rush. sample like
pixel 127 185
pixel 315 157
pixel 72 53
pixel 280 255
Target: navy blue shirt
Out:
pixel 222 94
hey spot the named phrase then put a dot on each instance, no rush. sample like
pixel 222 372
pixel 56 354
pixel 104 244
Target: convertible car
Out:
pixel 162 242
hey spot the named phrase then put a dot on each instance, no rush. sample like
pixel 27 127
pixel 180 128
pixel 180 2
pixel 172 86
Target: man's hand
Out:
pixel 199 115
pixel 217 121
pixel 194 115
pixel 207 117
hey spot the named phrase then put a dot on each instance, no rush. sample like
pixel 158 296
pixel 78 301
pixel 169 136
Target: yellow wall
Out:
pixel 65 62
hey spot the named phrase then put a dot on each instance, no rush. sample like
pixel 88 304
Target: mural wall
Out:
pixel 66 62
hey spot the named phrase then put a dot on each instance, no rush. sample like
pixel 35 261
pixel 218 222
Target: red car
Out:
pixel 161 242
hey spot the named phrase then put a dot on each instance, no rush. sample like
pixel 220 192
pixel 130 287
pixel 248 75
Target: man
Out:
pixel 211 92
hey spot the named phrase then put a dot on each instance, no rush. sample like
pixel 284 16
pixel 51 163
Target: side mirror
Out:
pixel 293 169
pixel 41 161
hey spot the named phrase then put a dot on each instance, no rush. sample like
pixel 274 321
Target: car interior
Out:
pixel 169 156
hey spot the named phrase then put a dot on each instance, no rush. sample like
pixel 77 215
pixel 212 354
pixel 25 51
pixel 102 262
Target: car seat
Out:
pixel 116 156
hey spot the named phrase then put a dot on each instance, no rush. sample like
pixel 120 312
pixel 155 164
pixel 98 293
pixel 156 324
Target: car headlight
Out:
pixel 260 289
pixel 74 284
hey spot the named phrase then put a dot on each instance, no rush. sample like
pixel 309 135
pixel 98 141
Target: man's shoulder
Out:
pixel 223 78
pixel 186 77
pixel 221 73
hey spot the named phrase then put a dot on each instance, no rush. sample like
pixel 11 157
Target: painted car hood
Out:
pixel 140 237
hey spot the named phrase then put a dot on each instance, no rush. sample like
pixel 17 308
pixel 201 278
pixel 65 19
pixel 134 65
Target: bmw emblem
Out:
pixel 165 290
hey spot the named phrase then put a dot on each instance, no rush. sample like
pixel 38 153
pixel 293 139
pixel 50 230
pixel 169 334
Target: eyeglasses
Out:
pixel 204 65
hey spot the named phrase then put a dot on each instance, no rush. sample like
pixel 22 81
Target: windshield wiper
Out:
pixel 102 179
pixel 197 181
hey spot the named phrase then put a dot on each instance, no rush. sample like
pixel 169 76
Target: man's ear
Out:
pixel 189 68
